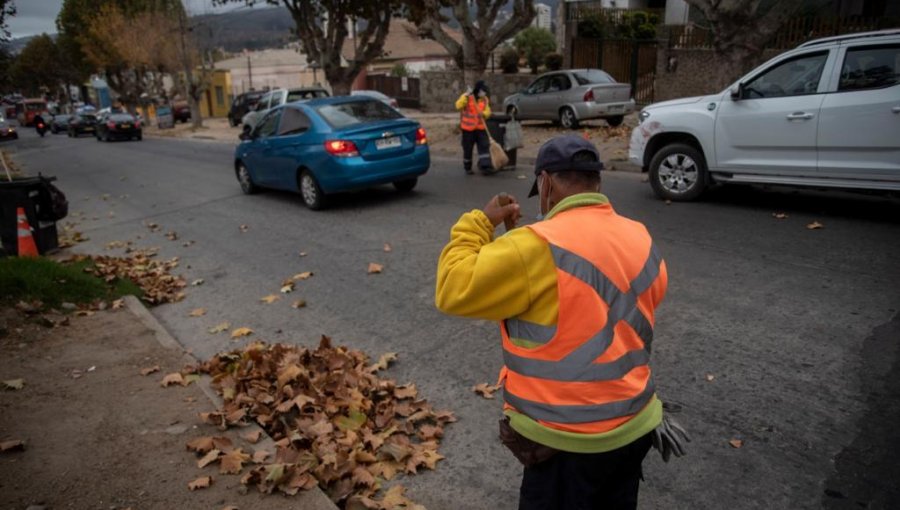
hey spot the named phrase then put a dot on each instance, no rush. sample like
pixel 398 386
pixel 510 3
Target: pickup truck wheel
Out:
pixel 615 121
pixel 567 118
pixel 678 172
pixel 311 192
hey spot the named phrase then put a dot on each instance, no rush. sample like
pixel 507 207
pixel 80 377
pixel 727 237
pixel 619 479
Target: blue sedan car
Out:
pixel 330 145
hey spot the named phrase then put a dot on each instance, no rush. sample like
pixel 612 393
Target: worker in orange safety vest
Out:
pixel 474 106
pixel 576 296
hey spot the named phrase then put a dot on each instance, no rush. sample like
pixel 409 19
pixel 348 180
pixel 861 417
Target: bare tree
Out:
pixel 480 33
pixel 741 29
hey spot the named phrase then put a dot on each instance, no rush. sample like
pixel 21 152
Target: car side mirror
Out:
pixel 737 91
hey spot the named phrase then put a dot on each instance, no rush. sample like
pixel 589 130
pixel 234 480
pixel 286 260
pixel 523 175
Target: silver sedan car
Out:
pixel 571 96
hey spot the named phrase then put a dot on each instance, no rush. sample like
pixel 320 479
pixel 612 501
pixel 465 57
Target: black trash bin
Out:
pixel 31 194
pixel 496 125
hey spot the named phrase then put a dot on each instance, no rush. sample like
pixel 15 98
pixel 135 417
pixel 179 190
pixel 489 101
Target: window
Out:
pixel 559 82
pixel 795 77
pixel 539 86
pixel 592 76
pixel 870 67
pixel 302 95
pixel 220 96
pixel 357 112
pixel 293 122
pixel 267 125
pixel 263 103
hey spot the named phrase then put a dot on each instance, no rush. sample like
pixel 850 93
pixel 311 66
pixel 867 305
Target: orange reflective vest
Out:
pixel 472 115
pixel 591 373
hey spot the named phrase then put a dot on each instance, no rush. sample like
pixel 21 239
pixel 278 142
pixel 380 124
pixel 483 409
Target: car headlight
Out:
pixel 644 115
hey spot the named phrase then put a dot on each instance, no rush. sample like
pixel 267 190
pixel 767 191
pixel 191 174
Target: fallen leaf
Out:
pixel 288 288
pixel 710 377
pixel 736 443
pixel 174 378
pixel 201 444
pixel 230 507
pixel 14 384
pixel 302 276
pixel 172 235
pixel 239 332
pixel 232 462
pixel 486 390
pixel 815 225
pixel 12 445
pixel 300 303
pixel 779 215
pixel 244 228
pixel 187 244
pixel 209 458
pixel 259 456
pixel 375 268
pixel 198 312
pixel 302 253
pixel 521 177
pixel 387 248
pixel 198 281
pixel 117 304
pixel 271 298
pixel 253 436
pixel 150 370
pixel 383 362
pixel 200 483
pixel 668 202
pixel 225 326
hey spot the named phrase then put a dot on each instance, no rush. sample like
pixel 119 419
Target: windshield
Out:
pixel 592 76
pixel 357 112
pixel 299 95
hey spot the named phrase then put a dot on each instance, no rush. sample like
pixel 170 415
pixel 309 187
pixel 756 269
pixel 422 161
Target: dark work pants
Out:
pixel 477 137
pixel 585 481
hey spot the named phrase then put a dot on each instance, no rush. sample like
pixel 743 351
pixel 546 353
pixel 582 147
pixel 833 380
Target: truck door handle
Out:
pixel 800 116
pixel 896 109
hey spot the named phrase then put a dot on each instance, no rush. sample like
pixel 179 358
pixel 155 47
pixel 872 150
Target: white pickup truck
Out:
pixel 826 114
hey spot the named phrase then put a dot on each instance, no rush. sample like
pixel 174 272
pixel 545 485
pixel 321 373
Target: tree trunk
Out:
pixel 196 117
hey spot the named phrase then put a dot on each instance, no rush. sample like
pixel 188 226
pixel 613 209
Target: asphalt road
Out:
pixel 783 337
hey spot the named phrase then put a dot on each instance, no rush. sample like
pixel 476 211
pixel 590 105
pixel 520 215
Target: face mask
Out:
pixel 481 93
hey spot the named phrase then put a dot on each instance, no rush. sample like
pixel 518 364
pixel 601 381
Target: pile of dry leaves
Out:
pixel 335 423
pixel 140 266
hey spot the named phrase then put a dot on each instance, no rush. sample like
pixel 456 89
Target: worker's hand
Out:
pixel 468 91
pixel 497 213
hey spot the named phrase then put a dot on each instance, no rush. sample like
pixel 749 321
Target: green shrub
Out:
pixel 553 61
pixel 509 61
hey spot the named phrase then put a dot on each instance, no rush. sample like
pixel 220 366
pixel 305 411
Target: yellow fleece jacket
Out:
pixel 514 276
pixel 463 99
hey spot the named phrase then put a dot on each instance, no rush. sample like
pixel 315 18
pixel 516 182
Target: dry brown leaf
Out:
pixel 197 282
pixel 12 445
pixel 239 332
pixel 150 370
pixel 383 362
pixel 197 312
pixel 271 298
pixel 736 443
pixel 209 458
pixel 287 288
pixel 174 378
pixel 375 268
pixel 14 384
pixel 253 436
pixel 259 456
pixel 201 444
pixel 302 276
pixel 779 215
pixel 117 304
pixel 300 303
pixel 710 377
pixel 232 462
pixel 486 390
pixel 200 483
pixel 244 228
pixel 225 326
pixel 387 248
pixel 815 225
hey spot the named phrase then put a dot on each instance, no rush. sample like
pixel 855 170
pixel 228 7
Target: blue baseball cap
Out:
pixel 558 154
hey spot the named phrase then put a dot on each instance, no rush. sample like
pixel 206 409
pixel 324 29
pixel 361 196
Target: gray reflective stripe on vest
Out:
pixel 537 333
pixel 581 413
pixel 579 364
pixel 23 232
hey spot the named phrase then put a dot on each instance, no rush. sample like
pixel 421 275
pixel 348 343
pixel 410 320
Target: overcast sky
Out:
pixel 34 17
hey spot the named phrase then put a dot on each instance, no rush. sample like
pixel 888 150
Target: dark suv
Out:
pixel 241 105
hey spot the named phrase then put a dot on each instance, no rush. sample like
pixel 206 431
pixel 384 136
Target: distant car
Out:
pixel 112 126
pixel 825 114
pixel 28 108
pixel 390 101
pixel 60 123
pixel 241 105
pixel 82 123
pixel 330 145
pixel 572 96
pixel 279 97
pixel 7 132
pixel 181 111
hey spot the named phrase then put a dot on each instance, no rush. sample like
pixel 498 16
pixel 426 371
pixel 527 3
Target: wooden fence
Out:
pixel 405 90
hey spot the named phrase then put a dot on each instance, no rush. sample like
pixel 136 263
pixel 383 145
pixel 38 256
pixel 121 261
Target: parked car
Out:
pixel 279 97
pixel 181 111
pixel 572 96
pixel 825 114
pixel 390 101
pixel 7 131
pixel 241 105
pixel 82 123
pixel 60 123
pixel 111 126
pixel 330 145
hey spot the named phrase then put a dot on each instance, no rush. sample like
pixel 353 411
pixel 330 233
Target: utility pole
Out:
pixel 250 71
pixel 188 74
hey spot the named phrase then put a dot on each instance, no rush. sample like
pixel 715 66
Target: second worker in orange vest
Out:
pixel 575 295
pixel 474 106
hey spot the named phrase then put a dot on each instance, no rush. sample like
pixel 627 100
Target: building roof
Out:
pixel 265 58
pixel 403 43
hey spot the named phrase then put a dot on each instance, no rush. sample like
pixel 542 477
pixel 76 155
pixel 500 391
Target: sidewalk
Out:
pixel 97 433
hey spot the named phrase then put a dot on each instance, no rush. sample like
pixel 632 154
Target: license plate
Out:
pixel 124 126
pixel 387 143
pixel 88 129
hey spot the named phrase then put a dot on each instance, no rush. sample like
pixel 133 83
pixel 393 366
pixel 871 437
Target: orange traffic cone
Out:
pixel 27 248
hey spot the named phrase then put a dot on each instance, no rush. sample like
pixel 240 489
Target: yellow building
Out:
pixel 217 98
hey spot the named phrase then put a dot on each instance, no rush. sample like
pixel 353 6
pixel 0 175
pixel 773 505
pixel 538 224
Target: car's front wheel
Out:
pixel 512 111
pixel 615 121
pixel 406 185
pixel 310 191
pixel 567 118
pixel 678 172
pixel 246 182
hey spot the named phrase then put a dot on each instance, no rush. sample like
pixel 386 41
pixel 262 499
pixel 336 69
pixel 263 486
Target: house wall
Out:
pixel 439 90
pixel 690 73
pixel 217 99
pixel 273 77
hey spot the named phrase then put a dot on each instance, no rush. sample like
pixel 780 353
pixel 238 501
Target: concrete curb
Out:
pixel 313 499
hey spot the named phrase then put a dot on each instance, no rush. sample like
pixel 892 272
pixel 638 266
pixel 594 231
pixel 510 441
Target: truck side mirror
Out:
pixel 737 91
